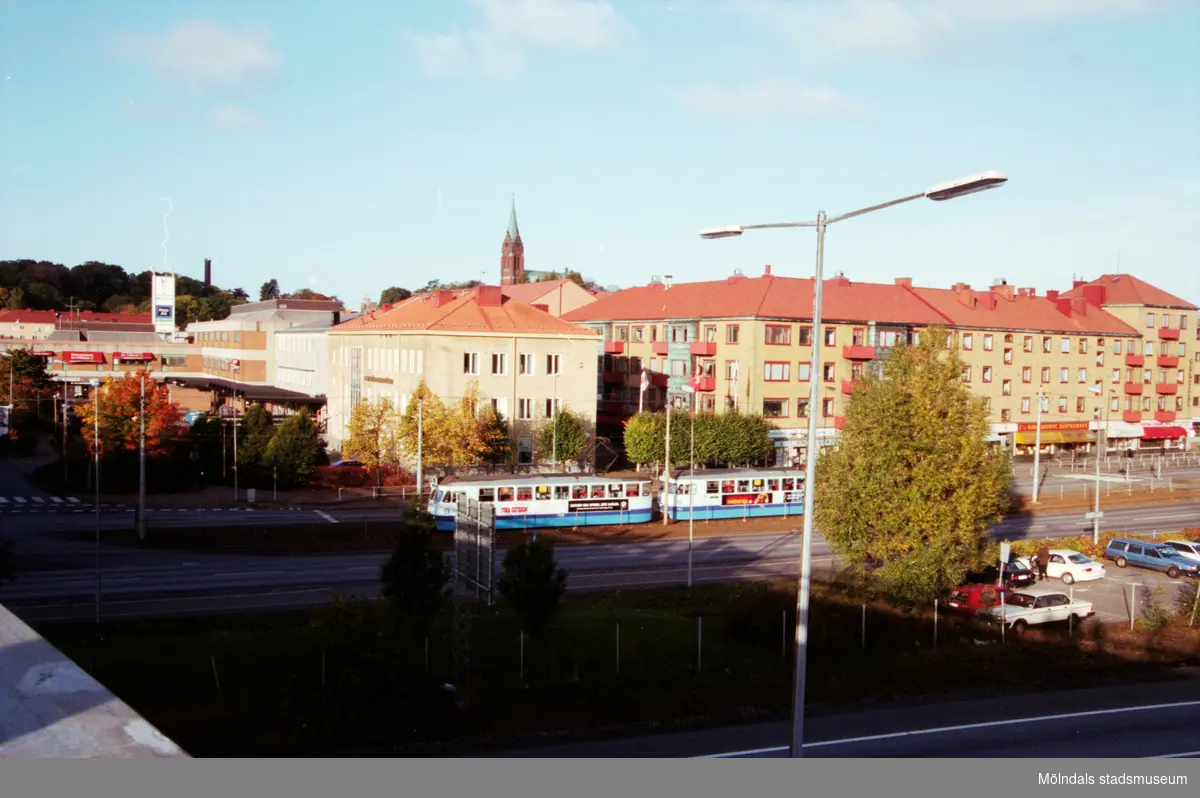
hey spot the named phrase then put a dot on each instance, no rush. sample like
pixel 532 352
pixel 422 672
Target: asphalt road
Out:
pixel 1137 720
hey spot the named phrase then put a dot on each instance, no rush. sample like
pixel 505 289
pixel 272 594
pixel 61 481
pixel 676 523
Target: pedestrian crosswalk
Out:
pixel 69 504
pixel 38 501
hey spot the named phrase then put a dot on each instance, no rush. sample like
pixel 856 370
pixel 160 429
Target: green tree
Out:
pixel 532 583
pixel 268 290
pixel 297 446
pixel 912 487
pixel 415 576
pixel 643 442
pixel 371 434
pixel 393 294
pixel 255 431
pixel 563 438
pixel 494 432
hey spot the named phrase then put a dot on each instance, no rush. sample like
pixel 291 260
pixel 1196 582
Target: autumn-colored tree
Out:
pixel 436 444
pixel 912 487
pixel 296 446
pixel 497 440
pixel 29 381
pixel 466 429
pixel 118 402
pixel 371 434
pixel 563 438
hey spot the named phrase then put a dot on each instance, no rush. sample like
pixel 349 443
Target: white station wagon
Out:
pixel 1036 607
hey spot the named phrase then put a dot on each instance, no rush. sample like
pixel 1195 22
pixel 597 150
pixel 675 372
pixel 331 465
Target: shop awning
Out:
pixel 1124 429
pixel 133 355
pixel 1163 432
pixel 1056 437
pixel 83 357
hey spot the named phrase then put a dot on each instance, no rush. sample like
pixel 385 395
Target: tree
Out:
pixel 730 438
pixel 436 446
pixel 415 576
pixel 563 438
pixel 118 402
pixel 296 446
pixel 393 294
pixel 494 433
pixel 642 442
pixel 255 431
pixel 269 290
pixel 29 380
pixel 912 487
pixel 532 583
pixel 371 434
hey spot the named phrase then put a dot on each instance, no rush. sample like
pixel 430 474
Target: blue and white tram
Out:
pixel 735 493
pixel 530 502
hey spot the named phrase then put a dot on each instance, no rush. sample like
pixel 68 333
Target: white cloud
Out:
pixel 201 53
pixel 235 119
pixel 842 29
pixel 509 30
pixel 767 98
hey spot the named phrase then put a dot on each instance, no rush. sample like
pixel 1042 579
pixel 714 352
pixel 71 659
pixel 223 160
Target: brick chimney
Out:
pixel 1052 296
pixel 1079 306
pixel 987 299
pixel 488 296
pixel 1004 290
pixel 767 270
pixel 1094 294
pixel 904 282
pixel 442 297
pixel 1064 305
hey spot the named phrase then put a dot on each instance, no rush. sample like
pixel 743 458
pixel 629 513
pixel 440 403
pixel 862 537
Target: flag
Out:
pixel 645 383
pixel 696 377
pixel 734 369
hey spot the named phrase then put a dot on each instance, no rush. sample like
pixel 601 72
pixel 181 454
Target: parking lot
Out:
pixel 1113 594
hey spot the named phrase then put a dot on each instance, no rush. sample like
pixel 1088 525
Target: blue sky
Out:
pixel 351 146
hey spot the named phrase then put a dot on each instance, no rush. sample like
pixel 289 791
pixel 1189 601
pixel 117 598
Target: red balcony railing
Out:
pixel 1137 361
pixel 659 380
pixel 1168 334
pixel 848 386
pixel 1133 388
pixel 704 349
pixel 614 347
pixel 839 422
pixel 1166 388
pixel 615 376
pixel 707 383
pixel 851 352
pixel 1166 416
pixel 660 347
pixel 1168 361
pixel 1131 417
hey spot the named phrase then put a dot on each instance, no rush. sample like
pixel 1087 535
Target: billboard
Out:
pixel 162 298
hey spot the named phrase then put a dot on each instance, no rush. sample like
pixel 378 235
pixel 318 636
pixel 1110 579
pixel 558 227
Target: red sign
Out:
pixel 510 510
pixel 133 355
pixel 42 353
pixel 1054 426
pixel 745 498
pixel 83 357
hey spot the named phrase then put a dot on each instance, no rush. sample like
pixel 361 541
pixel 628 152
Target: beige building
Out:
pixel 557 297
pixel 522 358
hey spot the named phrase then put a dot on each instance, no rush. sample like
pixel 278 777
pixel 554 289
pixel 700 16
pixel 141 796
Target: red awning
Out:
pixel 133 355
pixel 83 357
pixel 42 353
pixel 1157 433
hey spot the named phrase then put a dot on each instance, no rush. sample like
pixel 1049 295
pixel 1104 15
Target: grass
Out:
pixel 342 681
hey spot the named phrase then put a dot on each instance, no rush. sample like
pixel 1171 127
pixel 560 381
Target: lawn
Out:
pixel 342 681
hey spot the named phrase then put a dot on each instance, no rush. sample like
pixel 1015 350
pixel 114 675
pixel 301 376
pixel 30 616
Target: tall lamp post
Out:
pixel 1102 416
pixel 95 383
pixel 9 420
pixel 141 513
pixel 943 191
pixel 1037 444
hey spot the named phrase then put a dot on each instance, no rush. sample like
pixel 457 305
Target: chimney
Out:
pixel 904 282
pixel 1094 294
pixel 767 270
pixel 543 308
pixel 1079 306
pixel 840 279
pixel 337 318
pixel 1052 296
pixel 987 299
pixel 207 272
pixel 442 297
pixel 1078 283
pixel 965 295
pixel 667 280
pixel 488 296
pixel 1064 305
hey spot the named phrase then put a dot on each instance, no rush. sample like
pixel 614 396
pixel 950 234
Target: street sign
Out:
pixel 1093 516
pixel 1005 551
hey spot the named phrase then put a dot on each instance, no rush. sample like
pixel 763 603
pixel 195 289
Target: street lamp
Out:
pixel 1098 389
pixel 141 514
pixel 1037 443
pixel 943 191
pixel 95 383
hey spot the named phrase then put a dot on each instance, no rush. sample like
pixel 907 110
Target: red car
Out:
pixel 970 599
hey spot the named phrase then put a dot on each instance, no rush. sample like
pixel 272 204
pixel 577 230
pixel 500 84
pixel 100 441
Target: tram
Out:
pixel 735 493
pixel 545 500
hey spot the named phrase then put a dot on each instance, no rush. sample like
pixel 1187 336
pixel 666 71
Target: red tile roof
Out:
pixel 531 292
pixel 1020 312
pixel 446 312
pixel 1125 289
pixel 761 297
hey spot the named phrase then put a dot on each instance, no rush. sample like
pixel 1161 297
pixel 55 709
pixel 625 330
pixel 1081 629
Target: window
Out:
pixel 553 364
pixel 804 336
pixel 1182 350
pixel 1179 376
pixel 1064 374
pixel 968 341
pixel 679 368
pixel 827 408
pixel 1178 402
pixel 802 408
pixel 1062 404
pixel 1045 374
pixel 829 372
pixel 987 404
pixel 1006 387
pixel 1027 375
pixel 1066 346
pixel 551 405
pixel 525 409
pixel 1166 320
pixel 639 334
pixel 987 373
pixel 856 371
pixel 1162 375
pixel 858 336
pixel 1145 404
pixel 1116 376
pixel 1182 322
pixel 1083 346
pixel 1028 343
pixel 987 343
pixel 830 336
pixel 1114 403
pixel 776 372
pixel 653 333
pixel 1046 343
pixel 1045 404
pixel 1099 358
pixel 470 363
pixel 710 334
pixel 731 333
pixel 1117 347
pixel 1082 376
pixel 1150 320
pixel 775 408
pixel 622 334
pixel 1026 404
pixel 966 373
pixel 1008 355
pixel 1006 414
pixel 1080 404
pixel 730 369
pixel 779 335
pixel 499 363
pixel 1149 347
pixel 803 371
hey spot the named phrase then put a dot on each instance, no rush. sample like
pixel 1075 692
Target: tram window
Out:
pixel 645 488
pixel 524 493
pixel 727 486
pixel 487 494
pixel 712 486
pixel 683 488
pixel 505 494
pixel 614 490
pixel 631 489
pixel 437 497
pixel 743 486
pixel 543 493
pixel 597 491
pixel 579 491
pixel 772 484
pixel 561 492
pixel 789 483
pixel 758 483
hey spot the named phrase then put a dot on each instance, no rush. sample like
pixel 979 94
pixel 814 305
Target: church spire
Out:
pixel 513 231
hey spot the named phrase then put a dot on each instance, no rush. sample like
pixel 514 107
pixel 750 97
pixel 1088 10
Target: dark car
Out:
pixel 1016 574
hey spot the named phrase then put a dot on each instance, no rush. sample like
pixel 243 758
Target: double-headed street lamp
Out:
pixel 1102 416
pixel 943 191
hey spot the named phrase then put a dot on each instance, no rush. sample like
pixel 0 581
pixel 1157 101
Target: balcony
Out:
pixel 1166 389
pixel 852 352
pixel 617 377
pixel 1137 361
pixel 1167 361
pixel 1165 416
pixel 839 422
pixel 614 347
pixel 1131 417
pixel 1133 388
pixel 659 380
pixel 1168 334
pixel 707 384
pixel 704 349
pixel 660 347
pixel 848 386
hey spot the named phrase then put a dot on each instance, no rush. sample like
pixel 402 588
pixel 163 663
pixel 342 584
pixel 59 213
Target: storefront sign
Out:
pixel 1054 426
pixel 383 380
pixel 597 505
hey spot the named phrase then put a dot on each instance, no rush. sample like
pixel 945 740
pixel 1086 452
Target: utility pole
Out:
pixel 96 441
pixel 235 462
pixel 141 515
pixel 1037 445
pixel 420 445
pixel 667 460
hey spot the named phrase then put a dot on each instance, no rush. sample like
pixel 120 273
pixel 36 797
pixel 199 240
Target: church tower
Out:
pixel 512 251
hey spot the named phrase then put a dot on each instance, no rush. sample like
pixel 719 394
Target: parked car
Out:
pixel 1036 607
pixel 967 600
pixel 1149 554
pixel 1188 548
pixel 1018 575
pixel 1069 566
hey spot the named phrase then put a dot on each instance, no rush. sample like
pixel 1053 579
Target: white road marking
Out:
pixel 326 516
pixel 1178 756
pixel 72 500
